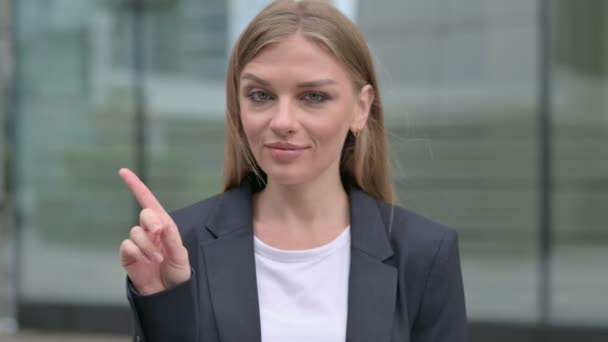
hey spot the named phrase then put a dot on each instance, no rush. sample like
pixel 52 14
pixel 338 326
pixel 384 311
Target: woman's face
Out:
pixel 297 105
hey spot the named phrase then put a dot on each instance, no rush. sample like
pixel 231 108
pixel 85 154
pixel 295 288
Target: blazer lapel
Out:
pixel 372 282
pixel 230 266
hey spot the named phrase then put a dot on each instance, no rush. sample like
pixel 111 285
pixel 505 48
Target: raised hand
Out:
pixel 153 256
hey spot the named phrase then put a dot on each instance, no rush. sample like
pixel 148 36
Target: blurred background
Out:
pixel 498 120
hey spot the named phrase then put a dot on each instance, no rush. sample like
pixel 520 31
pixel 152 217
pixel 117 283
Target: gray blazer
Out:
pixel 405 285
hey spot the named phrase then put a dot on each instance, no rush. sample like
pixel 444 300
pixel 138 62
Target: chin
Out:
pixel 282 175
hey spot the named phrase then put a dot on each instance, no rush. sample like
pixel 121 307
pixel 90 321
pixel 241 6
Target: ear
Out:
pixel 365 98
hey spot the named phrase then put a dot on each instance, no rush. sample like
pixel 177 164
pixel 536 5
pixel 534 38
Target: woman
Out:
pixel 304 244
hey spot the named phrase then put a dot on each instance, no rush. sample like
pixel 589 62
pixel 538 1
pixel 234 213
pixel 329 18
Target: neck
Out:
pixel 314 208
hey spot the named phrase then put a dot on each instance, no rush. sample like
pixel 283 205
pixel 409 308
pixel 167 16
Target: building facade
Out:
pixel 498 120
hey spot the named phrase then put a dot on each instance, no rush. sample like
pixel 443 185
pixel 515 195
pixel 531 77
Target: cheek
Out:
pixel 252 126
pixel 339 120
pixel 330 133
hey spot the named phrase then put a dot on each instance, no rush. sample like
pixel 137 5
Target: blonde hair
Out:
pixel 364 159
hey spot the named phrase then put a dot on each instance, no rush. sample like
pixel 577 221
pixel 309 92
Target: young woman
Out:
pixel 305 243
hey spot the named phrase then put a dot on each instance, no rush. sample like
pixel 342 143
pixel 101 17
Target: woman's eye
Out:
pixel 259 96
pixel 315 97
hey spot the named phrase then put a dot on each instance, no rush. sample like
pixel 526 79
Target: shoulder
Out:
pixel 416 239
pixel 427 256
pixel 407 227
pixel 191 218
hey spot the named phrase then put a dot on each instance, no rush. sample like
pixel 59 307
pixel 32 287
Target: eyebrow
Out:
pixel 309 84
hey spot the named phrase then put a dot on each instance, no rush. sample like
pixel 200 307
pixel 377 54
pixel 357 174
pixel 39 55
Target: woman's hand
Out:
pixel 153 256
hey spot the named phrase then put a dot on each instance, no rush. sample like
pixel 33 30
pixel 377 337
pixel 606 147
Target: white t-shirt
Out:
pixel 303 294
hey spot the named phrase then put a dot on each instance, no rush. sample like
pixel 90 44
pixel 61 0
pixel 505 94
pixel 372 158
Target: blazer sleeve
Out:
pixel 165 316
pixel 442 315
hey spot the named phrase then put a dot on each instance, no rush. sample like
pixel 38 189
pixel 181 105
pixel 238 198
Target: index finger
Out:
pixel 144 196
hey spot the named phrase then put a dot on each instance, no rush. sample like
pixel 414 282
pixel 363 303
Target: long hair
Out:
pixel 364 158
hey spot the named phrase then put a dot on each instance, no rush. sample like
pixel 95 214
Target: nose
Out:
pixel 284 120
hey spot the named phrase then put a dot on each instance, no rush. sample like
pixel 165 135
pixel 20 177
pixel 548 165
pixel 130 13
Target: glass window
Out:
pixel 7 323
pixel 185 107
pixel 580 125
pixel 459 81
pixel 74 130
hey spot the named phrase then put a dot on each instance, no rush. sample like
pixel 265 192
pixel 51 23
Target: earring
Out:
pixel 356 133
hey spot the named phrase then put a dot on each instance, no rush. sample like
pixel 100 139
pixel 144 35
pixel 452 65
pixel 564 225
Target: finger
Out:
pixel 143 241
pixel 130 253
pixel 144 196
pixel 172 242
pixel 150 221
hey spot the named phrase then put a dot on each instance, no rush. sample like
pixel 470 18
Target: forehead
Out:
pixel 296 58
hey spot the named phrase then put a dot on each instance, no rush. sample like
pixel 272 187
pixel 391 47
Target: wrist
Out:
pixel 178 280
pixel 149 290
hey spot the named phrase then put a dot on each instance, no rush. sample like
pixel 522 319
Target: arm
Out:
pixel 442 315
pixel 164 316
pixel 160 285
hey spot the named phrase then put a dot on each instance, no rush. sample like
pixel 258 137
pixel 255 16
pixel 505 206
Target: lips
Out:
pixel 285 146
pixel 284 152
